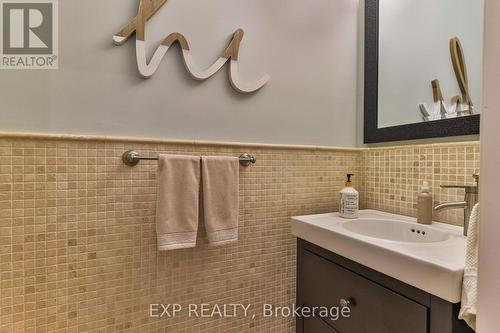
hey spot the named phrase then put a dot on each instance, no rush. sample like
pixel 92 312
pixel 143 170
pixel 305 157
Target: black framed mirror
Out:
pixel 378 127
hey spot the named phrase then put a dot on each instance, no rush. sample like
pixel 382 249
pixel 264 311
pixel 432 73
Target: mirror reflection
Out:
pixel 430 60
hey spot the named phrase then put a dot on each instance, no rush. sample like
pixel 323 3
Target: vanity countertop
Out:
pixel 431 258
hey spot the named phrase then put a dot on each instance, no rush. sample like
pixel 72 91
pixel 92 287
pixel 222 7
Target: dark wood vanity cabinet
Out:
pixel 316 325
pixel 377 303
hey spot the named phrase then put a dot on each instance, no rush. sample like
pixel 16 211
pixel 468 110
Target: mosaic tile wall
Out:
pixel 77 234
pixel 392 176
pixel 78 245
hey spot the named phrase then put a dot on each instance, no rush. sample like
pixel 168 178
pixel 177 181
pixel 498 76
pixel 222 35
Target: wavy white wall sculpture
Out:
pixel 147 8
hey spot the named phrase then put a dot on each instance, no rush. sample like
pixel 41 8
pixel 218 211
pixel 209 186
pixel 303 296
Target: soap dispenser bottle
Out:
pixel 424 205
pixel 349 200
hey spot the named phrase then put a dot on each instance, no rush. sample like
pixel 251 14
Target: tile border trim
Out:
pixel 94 138
pixel 140 140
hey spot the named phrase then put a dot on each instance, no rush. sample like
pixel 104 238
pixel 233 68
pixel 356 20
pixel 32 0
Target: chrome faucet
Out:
pixel 470 200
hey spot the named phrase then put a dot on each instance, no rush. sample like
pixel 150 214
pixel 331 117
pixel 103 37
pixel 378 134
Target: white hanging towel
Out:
pixel 468 308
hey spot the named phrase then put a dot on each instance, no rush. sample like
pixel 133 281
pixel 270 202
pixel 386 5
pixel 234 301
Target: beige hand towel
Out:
pixel 220 179
pixel 177 201
pixel 468 308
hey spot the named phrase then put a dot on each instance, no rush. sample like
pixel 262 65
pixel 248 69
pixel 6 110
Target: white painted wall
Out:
pixel 308 48
pixel 414 50
pixel 488 320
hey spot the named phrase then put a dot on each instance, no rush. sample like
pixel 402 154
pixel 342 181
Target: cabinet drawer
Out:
pixel 374 309
pixel 316 325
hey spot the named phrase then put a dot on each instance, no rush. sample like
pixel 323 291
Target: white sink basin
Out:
pixel 432 260
pixel 396 230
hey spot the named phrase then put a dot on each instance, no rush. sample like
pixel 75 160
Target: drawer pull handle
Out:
pixel 347 302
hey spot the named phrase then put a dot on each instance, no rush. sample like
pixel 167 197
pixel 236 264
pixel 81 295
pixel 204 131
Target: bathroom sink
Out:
pixel 428 257
pixel 396 230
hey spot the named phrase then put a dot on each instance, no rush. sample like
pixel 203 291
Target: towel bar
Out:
pixel 132 158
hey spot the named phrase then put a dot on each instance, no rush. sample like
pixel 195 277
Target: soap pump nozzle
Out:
pixel 349 181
